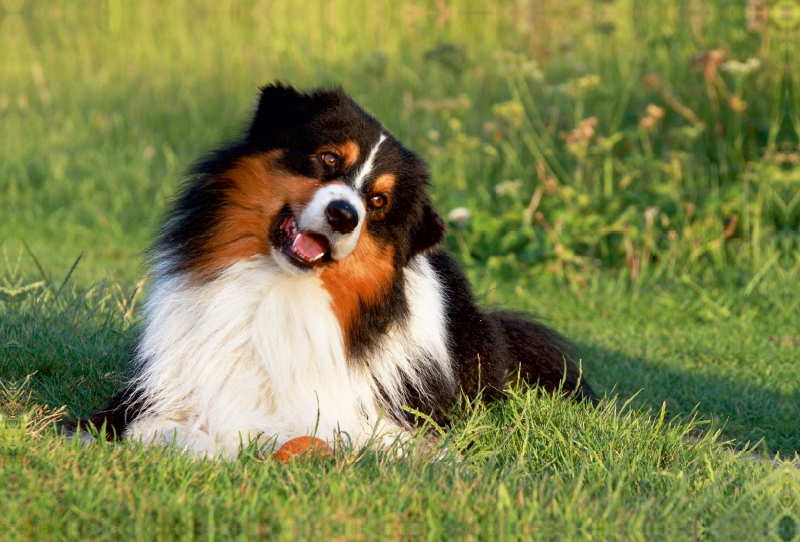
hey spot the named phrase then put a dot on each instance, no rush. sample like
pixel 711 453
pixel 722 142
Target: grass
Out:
pixel 529 484
pixel 534 465
pixel 623 182
pixel 512 478
pixel 647 465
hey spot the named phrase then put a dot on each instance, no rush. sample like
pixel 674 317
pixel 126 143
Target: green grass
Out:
pixel 534 465
pixel 646 465
pixel 668 249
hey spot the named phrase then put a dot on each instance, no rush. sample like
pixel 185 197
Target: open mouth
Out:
pixel 303 248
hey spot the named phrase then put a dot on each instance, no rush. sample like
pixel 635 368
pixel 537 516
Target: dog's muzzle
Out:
pixel 342 216
pixel 326 230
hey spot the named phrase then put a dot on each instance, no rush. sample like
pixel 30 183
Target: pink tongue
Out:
pixel 307 247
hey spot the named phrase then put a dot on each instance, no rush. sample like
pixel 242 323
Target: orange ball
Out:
pixel 302 446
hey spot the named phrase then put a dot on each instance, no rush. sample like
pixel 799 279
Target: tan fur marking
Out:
pixel 384 184
pixel 350 152
pixel 259 192
pixel 364 276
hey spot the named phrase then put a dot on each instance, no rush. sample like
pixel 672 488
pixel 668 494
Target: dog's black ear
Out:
pixel 427 230
pixel 280 107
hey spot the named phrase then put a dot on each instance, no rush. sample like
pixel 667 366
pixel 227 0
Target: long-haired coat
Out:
pixel 298 289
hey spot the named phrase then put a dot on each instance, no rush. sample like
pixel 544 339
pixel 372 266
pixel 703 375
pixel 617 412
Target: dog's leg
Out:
pixel 165 431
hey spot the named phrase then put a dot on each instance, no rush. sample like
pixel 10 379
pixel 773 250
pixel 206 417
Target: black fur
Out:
pixel 114 418
pixel 492 350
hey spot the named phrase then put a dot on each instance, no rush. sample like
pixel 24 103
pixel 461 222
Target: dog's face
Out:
pixel 346 185
pixel 319 186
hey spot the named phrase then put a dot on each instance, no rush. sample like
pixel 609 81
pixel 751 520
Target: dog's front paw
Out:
pixel 188 439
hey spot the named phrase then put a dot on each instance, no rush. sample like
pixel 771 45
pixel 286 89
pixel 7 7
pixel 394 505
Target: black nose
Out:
pixel 342 216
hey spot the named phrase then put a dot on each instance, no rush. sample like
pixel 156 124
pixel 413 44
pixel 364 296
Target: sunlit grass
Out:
pixel 630 171
pixel 100 123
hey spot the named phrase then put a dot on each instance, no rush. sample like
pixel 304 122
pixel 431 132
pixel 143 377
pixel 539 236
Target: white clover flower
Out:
pixel 649 215
pixel 741 68
pixel 459 216
pixel 508 188
pixel 650 212
pixel 732 66
pixel 753 64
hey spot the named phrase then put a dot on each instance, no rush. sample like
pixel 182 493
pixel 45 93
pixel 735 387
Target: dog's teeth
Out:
pixel 317 257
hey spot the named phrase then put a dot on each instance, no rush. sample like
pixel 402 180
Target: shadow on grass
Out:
pixel 746 411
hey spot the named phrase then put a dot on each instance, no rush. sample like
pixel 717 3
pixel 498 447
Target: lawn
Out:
pixel 631 172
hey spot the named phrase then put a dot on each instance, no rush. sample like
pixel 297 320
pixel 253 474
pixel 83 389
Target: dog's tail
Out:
pixel 544 356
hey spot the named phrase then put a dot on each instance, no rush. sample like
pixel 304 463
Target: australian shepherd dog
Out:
pixel 298 289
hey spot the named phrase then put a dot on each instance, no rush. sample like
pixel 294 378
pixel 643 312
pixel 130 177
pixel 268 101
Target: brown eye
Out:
pixel 377 201
pixel 330 159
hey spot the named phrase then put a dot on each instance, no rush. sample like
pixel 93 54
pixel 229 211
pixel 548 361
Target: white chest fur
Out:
pixel 259 354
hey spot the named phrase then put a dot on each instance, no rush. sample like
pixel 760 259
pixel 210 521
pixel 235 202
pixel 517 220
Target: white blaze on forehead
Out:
pixel 314 219
pixel 367 167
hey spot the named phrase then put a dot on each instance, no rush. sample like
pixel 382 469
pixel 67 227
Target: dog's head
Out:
pixel 315 181
pixel 316 184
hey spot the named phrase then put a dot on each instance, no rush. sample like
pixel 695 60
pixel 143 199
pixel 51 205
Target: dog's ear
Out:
pixel 280 107
pixel 427 230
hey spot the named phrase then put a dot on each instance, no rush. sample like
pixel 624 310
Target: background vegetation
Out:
pixel 628 170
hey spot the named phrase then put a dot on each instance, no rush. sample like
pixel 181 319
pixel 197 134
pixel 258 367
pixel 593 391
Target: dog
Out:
pixel 298 289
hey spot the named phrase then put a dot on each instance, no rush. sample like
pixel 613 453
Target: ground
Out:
pixel 627 172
